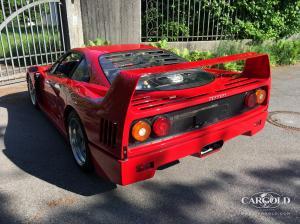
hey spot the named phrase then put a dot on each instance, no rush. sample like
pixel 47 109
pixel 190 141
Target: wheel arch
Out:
pixel 67 111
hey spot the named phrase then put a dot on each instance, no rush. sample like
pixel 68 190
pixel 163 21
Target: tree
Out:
pixel 242 19
pixel 12 5
pixel 268 19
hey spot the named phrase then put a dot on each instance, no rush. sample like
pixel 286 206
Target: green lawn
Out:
pixel 33 42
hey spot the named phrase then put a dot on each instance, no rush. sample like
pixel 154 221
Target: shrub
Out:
pixel 286 52
pixel 200 55
pixel 161 44
pixel 230 47
pixel 282 52
pixel 98 42
pixel 175 29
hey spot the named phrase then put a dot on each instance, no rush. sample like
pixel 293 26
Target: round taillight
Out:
pixel 260 96
pixel 141 131
pixel 161 126
pixel 250 100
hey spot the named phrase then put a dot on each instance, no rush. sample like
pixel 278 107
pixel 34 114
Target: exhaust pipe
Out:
pixel 206 150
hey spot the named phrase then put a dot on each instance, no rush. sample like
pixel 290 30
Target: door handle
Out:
pixel 48 82
pixel 57 86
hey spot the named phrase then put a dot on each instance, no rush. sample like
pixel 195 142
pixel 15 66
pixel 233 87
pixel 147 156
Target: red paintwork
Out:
pixel 98 100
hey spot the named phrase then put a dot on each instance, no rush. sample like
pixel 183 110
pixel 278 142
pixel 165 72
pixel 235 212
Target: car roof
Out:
pixel 99 50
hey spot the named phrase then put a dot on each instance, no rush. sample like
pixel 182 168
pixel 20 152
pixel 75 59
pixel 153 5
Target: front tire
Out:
pixel 32 93
pixel 78 142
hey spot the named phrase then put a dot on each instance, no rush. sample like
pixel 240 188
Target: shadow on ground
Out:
pixel 182 203
pixel 6 215
pixel 35 146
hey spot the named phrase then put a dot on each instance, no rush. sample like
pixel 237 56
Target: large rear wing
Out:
pixel 116 103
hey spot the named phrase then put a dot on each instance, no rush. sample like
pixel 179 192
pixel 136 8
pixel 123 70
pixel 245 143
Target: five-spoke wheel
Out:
pixel 78 141
pixel 32 92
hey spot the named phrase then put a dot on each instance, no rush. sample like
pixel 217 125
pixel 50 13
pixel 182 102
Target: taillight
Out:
pixel 161 126
pixel 260 95
pixel 257 97
pixel 250 100
pixel 141 131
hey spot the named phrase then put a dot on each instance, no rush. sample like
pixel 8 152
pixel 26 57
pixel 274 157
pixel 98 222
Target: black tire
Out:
pixel 78 142
pixel 32 93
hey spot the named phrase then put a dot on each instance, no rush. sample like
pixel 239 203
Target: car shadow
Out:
pixel 177 202
pixel 35 146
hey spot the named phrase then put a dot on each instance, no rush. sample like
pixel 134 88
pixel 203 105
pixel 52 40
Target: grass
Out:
pixel 33 44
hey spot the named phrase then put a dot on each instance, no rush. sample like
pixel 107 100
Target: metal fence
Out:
pixel 31 33
pixel 187 20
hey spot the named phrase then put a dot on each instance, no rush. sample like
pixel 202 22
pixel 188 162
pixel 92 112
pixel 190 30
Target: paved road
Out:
pixel 39 182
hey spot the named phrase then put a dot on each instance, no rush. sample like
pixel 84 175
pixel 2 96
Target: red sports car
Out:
pixel 127 110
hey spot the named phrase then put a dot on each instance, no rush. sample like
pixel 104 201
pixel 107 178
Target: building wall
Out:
pixel 118 21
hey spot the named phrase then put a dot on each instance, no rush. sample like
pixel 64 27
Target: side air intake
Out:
pixel 108 133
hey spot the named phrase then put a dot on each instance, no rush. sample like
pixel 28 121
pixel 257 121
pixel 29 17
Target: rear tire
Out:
pixel 78 142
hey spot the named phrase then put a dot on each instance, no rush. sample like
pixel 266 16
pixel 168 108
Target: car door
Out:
pixel 56 83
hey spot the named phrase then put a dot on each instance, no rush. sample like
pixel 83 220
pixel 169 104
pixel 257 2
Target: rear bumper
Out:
pixel 155 155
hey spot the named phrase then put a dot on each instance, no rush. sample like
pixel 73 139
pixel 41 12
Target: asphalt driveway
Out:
pixel 40 183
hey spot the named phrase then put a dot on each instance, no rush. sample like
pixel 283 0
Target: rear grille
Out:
pixel 237 82
pixel 108 133
pixel 149 102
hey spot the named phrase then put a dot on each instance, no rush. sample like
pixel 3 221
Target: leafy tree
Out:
pixel 240 19
pixel 268 19
pixel 10 6
pixel 6 5
pixel 257 20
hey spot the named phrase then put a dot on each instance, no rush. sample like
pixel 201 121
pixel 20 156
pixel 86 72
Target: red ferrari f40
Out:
pixel 127 110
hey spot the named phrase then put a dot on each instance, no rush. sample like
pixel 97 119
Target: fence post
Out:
pixel 71 16
pixel 131 27
pixel 118 21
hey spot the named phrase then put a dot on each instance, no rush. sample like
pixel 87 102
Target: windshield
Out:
pixel 114 62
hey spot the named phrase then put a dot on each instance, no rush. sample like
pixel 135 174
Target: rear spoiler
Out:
pixel 116 102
